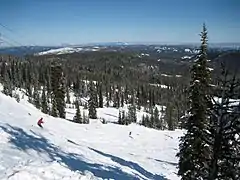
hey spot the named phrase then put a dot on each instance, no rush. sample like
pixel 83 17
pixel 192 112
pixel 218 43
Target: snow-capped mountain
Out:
pixel 74 49
pixel 60 51
pixel 68 50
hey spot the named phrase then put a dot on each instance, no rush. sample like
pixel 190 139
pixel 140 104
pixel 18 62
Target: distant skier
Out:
pixel 40 122
pixel 130 134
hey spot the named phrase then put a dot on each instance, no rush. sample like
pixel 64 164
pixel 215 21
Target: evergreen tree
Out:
pixel 122 99
pixel 61 98
pixel 143 120
pixel 58 89
pixel 54 111
pixel 194 151
pixel 169 116
pixel 100 96
pixel 44 103
pixel 92 102
pixel 116 100
pixel 132 114
pixel 29 93
pixel 78 117
pixel 147 121
pixel 120 120
pixel 156 122
pixel 151 125
pixel 68 101
pixel 49 101
pixel 124 120
pixel 7 85
pixel 161 119
pixel 36 97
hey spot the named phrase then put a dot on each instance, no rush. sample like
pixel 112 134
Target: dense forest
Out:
pixel 106 78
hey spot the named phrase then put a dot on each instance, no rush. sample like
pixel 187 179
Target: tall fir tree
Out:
pixel 120 120
pixel 58 89
pixel 143 122
pixel 36 97
pixel 194 151
pixel 68 101
pixel 100 95
pixel 124 119
pixel 78 117
pixel 156 118
pixel 169 116
pixel 92 104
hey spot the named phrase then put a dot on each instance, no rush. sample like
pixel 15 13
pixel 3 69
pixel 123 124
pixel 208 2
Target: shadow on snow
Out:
pixel 131 165
pixel 75 162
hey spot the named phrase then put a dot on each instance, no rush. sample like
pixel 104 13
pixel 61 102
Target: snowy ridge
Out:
pixel 65 150
pixel 58 51
pixel 67 50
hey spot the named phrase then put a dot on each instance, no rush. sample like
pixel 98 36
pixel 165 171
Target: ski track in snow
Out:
pixel 65 150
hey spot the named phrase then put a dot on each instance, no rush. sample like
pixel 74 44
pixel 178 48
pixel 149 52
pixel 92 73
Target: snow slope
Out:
pixel 67 50
pixel 64 50
pixel 65 150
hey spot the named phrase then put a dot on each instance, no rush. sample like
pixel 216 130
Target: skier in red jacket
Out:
pixel 40 122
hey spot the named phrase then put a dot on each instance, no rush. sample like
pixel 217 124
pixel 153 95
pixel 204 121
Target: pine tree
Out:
pixel 29 93
pixel 68 101
pixel 116 100
pixel 151 125
pixel 36 97
pixel 122 99
pixel 156 123
pixel 124 120
pixel 92 102
pixel 7 85
pixel 100 96
pixel 120 120
pixel 58 89
pixel 54 111
pixel 44 103
pixel 132 114
pixel 161 119
pixel 78 117
pixel 143 122
pixel 147 121
pixel 61 105
pixel 169 116
pixel 194 151
pixel 49 101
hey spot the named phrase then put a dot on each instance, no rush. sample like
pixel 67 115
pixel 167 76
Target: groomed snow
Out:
pixel 65 150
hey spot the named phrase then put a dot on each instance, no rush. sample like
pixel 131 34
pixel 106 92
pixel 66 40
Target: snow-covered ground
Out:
pixel 65 150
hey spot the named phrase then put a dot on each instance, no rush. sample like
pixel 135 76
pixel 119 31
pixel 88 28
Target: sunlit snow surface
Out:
pixel 65 150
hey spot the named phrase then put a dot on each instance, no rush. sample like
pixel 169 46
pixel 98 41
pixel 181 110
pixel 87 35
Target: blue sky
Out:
pixel 54 22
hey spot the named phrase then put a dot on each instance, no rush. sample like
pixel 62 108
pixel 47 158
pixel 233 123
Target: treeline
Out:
pixel 48 82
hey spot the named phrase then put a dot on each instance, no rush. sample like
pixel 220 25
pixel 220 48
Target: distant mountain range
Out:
pixel 111 46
